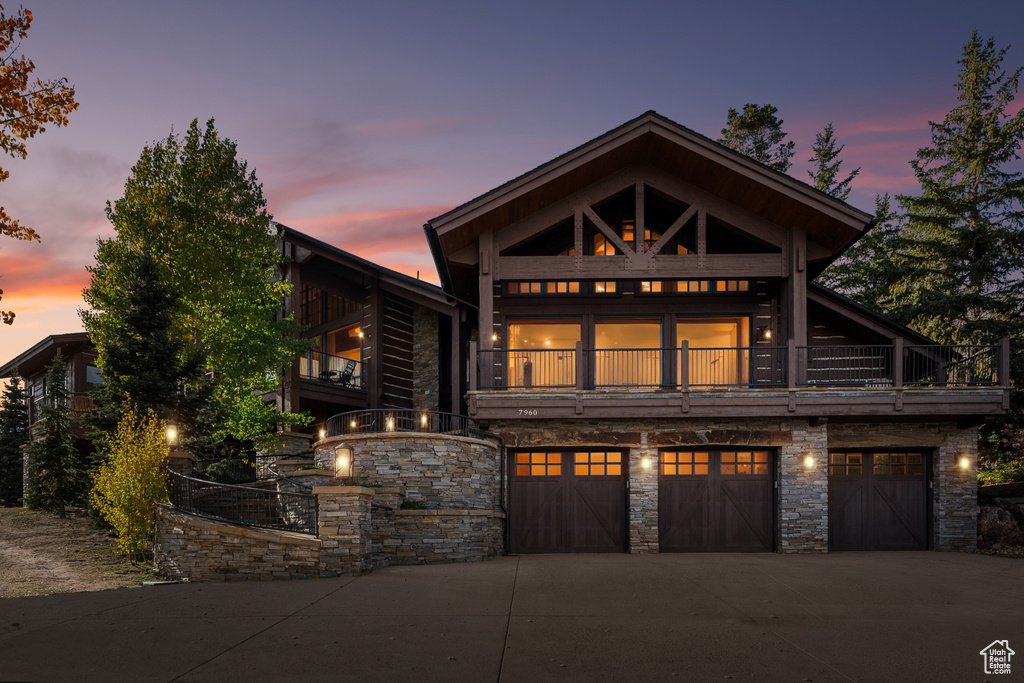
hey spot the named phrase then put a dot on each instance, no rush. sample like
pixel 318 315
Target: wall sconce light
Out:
pixel 809 462
pixel 645 463
pixel 765 333
pixel 965 463
pixel 494 336
pixel 171 433
pixel 343 461
pixel 323 432
pixel 389 424
pixel 423 420
pixel 352 424
pixel 361 335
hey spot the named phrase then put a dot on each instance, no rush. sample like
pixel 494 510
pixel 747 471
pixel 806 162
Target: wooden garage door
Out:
pixel 715 501
pixel 567 501
pixel 877 500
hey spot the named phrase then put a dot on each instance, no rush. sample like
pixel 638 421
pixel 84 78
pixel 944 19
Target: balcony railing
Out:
pixel 344 372
pixel 789 366
pixel 401 420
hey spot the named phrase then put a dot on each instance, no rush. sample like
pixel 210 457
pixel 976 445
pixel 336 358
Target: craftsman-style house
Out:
pixel 666 375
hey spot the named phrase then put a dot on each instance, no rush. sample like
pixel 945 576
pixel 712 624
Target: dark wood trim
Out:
pixel 486 285
pixel 666 266
pixel 605 230
pixel 671 232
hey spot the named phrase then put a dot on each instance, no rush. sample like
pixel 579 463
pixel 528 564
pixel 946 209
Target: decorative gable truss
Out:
pixel 778 252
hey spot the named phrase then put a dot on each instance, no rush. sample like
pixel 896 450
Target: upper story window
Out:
pixel 694 286
pixel 565 287
pixel 318 307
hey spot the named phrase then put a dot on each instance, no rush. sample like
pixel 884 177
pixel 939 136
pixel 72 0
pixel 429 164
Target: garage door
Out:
pixel 567 501
pixel 715 501
pixel 877 500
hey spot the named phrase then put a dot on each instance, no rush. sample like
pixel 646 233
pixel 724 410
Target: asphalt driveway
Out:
pixel 758 617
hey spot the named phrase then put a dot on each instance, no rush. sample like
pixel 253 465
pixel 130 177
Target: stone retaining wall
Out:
pixel 197 549
pixel 441 470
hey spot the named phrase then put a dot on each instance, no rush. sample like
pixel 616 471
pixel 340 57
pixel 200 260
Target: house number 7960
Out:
pixel 523 412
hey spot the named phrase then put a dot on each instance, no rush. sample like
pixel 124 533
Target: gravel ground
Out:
pixel 42 554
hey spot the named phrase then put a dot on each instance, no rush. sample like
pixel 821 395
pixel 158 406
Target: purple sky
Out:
pixel 362 120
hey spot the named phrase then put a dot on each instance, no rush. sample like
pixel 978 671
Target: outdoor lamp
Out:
pixel 323 432
pixel 343 461
pixel 423 420
pixel 171 433
pixel 965 463
pixel 389 423
pixel 809 461
pixel 645 463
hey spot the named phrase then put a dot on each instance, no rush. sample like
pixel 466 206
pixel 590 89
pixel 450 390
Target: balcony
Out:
pixel 756 381
pixel 334 370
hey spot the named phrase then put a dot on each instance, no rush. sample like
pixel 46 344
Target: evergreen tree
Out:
pixel 964 247
pixel 57 475
pixel 757 132
pixel 146 365
pixel 827 163
pixel 13 434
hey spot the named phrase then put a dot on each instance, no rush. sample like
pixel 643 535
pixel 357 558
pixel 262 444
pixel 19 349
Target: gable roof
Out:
pixel 662 143
pixel 40 355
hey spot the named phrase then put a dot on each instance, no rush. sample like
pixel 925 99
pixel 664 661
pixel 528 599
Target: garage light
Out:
pixel 809 462
pixel 343 461
pixel 965 463
pixel 645 463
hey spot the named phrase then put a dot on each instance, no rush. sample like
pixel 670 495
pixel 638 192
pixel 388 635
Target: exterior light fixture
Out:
pixel 423 420
pixel 389 423
pixel 965 463
pixel 645 463
pixel 343 461
pixel 352 424
pixel 809 461
pixel 171 433
pixel 323 432
pixel 494 336
pixel 361 335
pixel 767 333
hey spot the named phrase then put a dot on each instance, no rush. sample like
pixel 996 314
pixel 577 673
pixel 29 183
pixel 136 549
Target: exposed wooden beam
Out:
pixel 577 249
pixel 702 238
pixel 667 266
pixel 798 286
pixel 671 232
pixel 607 231
pixel 638 211
pixel 486 283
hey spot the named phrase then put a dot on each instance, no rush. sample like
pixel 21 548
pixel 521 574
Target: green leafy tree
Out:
pixel 26 107
pixel 197 210
pixel 13 434
pixel 58 477
pixel 146 365
pixel 132 480
pixel 827 163
pixel 757 132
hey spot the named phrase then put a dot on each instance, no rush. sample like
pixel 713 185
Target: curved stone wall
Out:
pixel 441 470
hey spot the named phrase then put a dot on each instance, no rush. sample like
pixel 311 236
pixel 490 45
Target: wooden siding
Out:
pixel 396 357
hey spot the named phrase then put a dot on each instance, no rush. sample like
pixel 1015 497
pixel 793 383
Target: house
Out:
pixel 82 375
pixel 666 376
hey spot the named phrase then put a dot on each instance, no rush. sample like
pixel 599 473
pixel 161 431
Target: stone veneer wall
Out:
pixel 803 490
pixel 954 490
pixel 441 470
pixel 436 536
pixel 197 549
pixel 425 352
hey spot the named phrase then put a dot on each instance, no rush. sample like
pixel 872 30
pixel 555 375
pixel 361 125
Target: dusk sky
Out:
pixel 363 120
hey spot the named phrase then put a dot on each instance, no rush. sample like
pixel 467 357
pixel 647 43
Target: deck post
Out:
pixel 581 371
pixel 791 363
pixel 684 366
pixel 897 362
pixel 472 367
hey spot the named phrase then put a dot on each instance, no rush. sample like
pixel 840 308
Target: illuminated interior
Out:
pixel 344 342
pixel 542 352
pixel 717 356
pixel 628 351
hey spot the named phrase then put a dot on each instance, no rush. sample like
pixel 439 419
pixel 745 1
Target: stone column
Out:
pixel 803 490
pixel 956 491
pixel 643 499
pixel 344 528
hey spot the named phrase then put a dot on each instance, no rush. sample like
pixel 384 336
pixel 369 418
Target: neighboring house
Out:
pixel 666 375
pixel 82 375
pixel 382 339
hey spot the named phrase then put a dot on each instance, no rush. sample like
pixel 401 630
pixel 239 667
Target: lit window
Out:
pixel 538 464
pixel 597 464
pixel 651 286
pixel 607 287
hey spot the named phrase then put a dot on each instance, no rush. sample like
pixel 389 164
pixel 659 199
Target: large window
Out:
pixel 718 354
pixel 627 352
pixel 542 352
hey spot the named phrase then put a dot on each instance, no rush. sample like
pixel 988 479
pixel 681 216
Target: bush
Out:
pixel 413 505
pixel 1001 472
pixel 132 480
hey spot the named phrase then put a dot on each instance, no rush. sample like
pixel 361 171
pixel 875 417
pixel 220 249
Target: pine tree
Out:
pixel 57 475
pixel 146 365
pixel 757 132
pixel 13 434
pixel 965 231
pixel 827 163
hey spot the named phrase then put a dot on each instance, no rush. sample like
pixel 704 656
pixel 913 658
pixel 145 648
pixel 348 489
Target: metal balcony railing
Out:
pixel 684 368
pixel 398 420
pixel 344 372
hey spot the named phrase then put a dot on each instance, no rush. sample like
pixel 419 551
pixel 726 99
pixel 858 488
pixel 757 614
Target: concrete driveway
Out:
pixel 764 617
